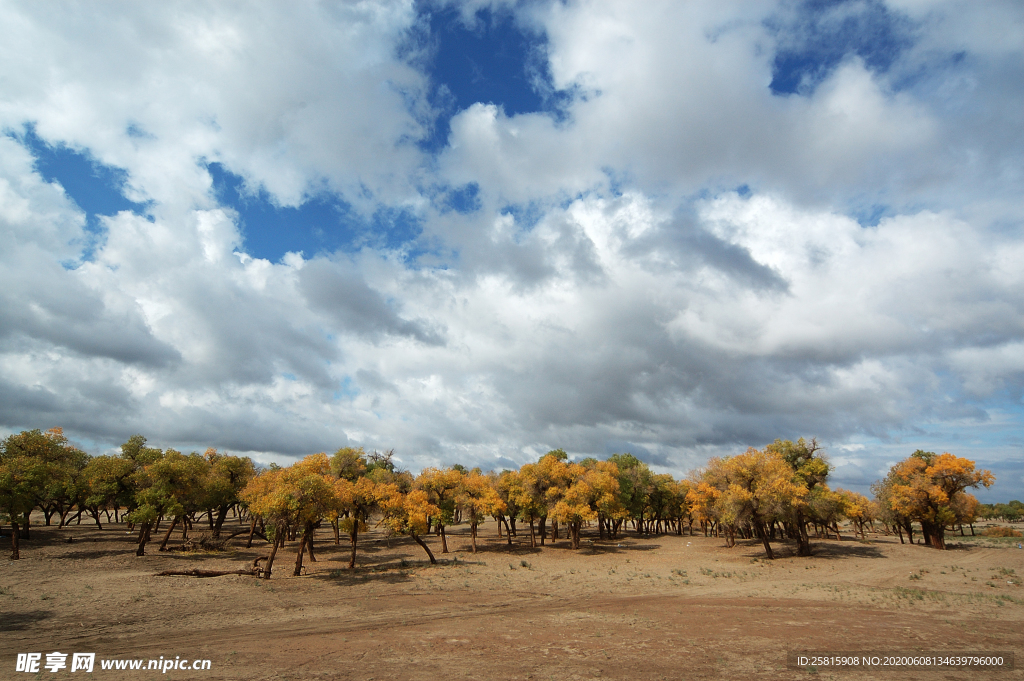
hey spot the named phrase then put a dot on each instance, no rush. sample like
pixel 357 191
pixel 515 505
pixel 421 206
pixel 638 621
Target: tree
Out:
pixel 544 483
pixel 524 493
pixel 54 467
pixel 477 499
pixel 407 513
pixel 356 499
pixel 810 471
pixel 17 494
pixel 928 488
pixel 966 508
pixel 109 485
pixel 858 509
pixel 350 463
pixel 296 497
pixel 170 486
pixel 442 488
pixel 754 487
pixel 636 482
pixel 591 493
pixel 894 520
pixel 507 485
pixel 226 477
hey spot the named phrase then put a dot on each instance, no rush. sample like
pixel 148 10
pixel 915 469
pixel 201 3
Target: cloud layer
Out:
pixel 676 259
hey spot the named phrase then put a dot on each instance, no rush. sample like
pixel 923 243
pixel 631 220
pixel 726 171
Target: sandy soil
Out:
pixel 652 607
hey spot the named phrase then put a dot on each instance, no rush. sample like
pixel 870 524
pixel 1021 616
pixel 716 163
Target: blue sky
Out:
pixel 475 232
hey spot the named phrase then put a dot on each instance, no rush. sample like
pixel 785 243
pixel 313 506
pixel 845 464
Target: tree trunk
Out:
pixel 96 517
pixel 936 536
pixel 298 556
pixel 15 553
pixel 426 548
pixel 760 529
pixel 543 529
pixel 310 533
pixel 222 513
pixel 167 535
pixel 143 538
pixel 803 541
pixel 25 532
pixel 279 536
pixel 252 531
pixel 508 531
pixel 444 540
pixel 472 531
pixel 353 537
pixel 533 536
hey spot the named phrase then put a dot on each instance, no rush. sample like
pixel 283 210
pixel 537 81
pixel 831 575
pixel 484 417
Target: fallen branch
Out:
pixel 204 573
pixel 245 531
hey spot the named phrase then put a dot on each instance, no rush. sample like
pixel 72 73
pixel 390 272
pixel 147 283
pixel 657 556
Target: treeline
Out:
pixel 780 492
pixel 41 470
pixel 1010 512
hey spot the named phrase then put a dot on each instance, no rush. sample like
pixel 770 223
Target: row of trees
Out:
pixel 778 492
pixel 783 488
pixel 41 470
pixel 1010 512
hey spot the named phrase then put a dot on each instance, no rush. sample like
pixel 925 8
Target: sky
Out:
pixel 474 232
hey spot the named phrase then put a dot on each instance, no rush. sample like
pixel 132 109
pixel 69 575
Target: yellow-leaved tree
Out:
pixel 591 492
pixel 858 509
pixel 929 488
pixel 477 499
pixel 756 487
pixel 441 487
pixel 356 495
pixel 297 497
pixel 406 513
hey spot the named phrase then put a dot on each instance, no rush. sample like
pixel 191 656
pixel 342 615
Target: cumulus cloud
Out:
pixel 675 259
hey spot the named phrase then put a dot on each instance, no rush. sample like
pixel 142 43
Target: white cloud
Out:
pixel 645 305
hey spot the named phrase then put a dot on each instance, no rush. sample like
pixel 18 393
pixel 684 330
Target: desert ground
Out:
pixel 637 607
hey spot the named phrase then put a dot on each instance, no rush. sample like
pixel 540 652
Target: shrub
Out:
pixel 1001 532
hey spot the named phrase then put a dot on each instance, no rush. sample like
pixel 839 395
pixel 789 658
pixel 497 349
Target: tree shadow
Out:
pixel 98 553
pixel 394 572
pixel 613 546
pixel 503 548
pixel 16 621
pixel 819 549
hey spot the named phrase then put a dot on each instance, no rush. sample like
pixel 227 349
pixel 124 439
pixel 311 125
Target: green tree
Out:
pixel 171 486
pixel 636 481
pixel 226 477
pixel 810 471
pixel 54 467
pixel 17 492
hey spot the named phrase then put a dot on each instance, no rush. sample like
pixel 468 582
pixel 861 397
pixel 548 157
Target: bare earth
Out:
pixel 650 607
